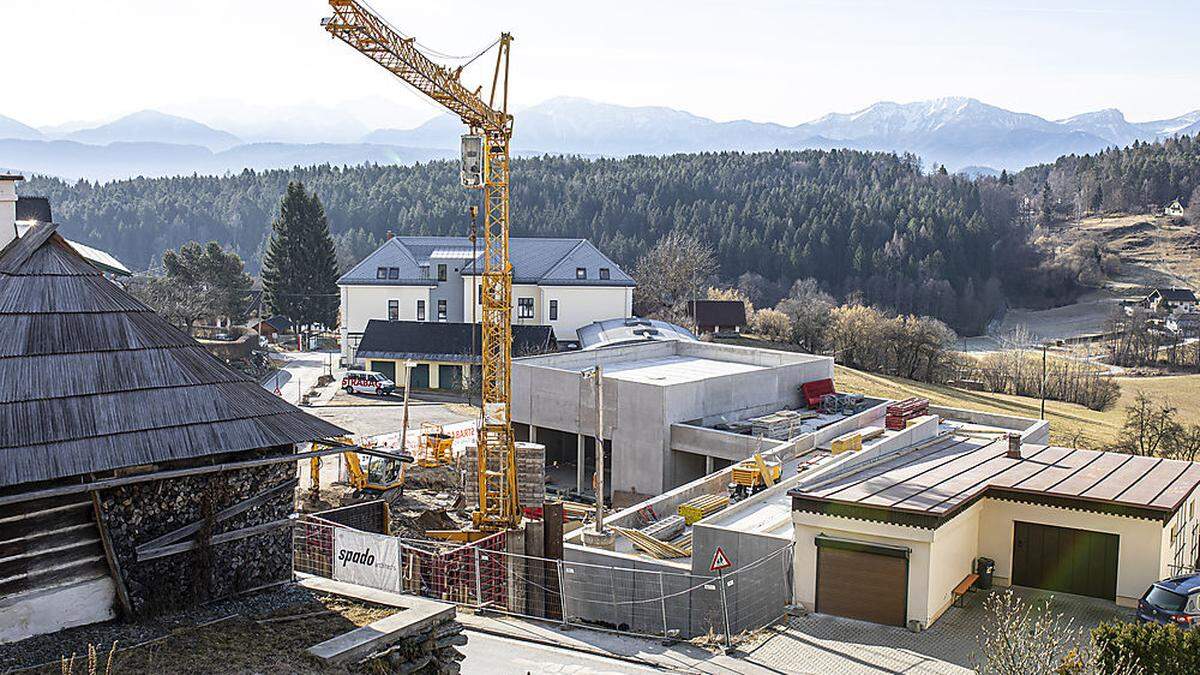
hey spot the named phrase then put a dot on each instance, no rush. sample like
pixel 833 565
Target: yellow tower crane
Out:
pixel 485 153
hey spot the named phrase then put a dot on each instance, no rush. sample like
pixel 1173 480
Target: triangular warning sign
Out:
pixel 720 561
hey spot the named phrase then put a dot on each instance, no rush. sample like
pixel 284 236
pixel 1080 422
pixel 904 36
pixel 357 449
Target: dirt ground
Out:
pixel 264 632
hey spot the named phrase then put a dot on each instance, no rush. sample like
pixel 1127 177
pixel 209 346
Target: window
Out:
pixel 554 310
pixel 524 308
pixel 420 310
pixel 604 273
pixel 441 310
pixel 393 310
pixel 381 273
pixel 580 272
pixel 479 295
pixel 424 271
pixel 441 272
pixel 393 272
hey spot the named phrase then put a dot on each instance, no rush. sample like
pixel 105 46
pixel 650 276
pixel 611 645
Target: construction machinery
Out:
pixel 436 448
pixel 751 476
pixel 377 473
pixel 485 155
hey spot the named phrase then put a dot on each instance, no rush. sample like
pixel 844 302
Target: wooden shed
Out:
pixel 137 472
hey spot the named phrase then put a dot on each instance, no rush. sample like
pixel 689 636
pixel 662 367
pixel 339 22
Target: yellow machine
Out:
pixel 436 447
pixel 754 475
pixel 485 152
pixel 379 474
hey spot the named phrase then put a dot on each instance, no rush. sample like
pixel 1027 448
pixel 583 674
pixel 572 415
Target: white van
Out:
pixel 367 382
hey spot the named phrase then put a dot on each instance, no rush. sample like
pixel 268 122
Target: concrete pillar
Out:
pixel 708 465
pixel 433 376
pixel 533 433
pixel 579 455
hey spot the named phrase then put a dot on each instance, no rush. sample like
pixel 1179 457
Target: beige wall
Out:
pixel 955 547
pixel 1142 554
pixel 941 558
pixel 360 304
pixel 917 540
pixel 578 306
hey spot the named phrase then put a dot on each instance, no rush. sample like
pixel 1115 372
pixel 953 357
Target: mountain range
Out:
pixel 960 133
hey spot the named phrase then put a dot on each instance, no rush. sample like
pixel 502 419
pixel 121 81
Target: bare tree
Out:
pixel 1020 638
pixel 674 271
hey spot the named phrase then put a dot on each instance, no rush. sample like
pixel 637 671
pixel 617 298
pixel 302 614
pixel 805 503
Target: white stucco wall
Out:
pixel 952 558
pixel 52 610
pixel 360 304
pixel 1143 551
pixel 917 540
pixel 578 306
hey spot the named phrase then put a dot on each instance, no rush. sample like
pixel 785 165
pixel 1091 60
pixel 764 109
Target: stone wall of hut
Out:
pixel 141 512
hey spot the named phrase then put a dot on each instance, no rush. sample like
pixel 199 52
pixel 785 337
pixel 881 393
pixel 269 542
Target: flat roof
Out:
pixel 945 476
pixel 675 369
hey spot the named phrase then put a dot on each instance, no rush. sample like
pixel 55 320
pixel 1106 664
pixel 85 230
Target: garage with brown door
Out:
pixel 1067 560
pixel 863 581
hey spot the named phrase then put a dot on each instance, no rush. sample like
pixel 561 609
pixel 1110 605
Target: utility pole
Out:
pixel 408 366
pixel 1043 387
pixel 598 374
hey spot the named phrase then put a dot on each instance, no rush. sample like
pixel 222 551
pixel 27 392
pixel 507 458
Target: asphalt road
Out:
pixel 489 654
pixel 299 373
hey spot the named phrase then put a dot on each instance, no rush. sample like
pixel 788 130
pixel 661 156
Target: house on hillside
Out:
pixel 1187 324
pixel 1174 209
pixel 562 283
pixel 1170 300
pixel 442 352
pixel 273 327
pixel 139 473
pixel 717 316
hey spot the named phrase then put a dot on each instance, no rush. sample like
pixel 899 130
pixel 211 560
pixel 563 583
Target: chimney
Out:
pixel 8 208
pixel 1014 445
pixel 390 235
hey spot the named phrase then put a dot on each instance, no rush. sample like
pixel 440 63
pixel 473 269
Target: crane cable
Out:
pixel 426 49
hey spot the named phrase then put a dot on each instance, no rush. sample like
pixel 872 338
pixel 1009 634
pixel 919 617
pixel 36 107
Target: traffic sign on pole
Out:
pixel 720 561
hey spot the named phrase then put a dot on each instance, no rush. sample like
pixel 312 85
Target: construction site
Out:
pixel 644 481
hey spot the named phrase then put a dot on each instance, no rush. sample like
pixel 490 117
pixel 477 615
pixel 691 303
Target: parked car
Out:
pixel 1175 600
pixel 367 382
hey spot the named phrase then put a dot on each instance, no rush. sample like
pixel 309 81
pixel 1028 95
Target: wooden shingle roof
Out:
pixel 92 380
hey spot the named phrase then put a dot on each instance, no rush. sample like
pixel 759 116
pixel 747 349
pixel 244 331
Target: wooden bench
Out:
pixel 960 591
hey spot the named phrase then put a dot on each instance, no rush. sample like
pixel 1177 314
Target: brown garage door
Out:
pixel 861 581
pixel 1065 560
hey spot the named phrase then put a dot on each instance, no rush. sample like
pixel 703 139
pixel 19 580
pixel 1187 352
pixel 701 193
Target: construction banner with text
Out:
pixel 366 559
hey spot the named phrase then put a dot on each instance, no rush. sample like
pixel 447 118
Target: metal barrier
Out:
pixel 484 576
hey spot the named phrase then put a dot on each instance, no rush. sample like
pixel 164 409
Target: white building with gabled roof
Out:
pixel 562 283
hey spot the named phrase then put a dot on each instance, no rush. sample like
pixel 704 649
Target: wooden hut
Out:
pixel 137 472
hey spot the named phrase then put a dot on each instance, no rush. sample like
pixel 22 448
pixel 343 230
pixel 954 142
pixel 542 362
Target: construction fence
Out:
pixel 486 575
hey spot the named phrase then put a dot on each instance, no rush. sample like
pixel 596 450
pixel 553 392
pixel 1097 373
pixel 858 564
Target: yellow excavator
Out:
pixel 379 472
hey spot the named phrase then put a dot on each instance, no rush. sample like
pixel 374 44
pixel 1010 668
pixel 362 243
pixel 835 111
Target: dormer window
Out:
pixel 393 273
pixel 381 273
pixel 580 272
pixel 424 271
pixel 604 273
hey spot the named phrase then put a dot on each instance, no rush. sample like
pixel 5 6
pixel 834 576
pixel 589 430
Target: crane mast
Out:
pixel 357 25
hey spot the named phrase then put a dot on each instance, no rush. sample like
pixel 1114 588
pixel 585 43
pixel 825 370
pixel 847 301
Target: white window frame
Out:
pixel 525 308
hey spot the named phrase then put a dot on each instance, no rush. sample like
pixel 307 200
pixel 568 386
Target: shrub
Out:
pixel 1153 648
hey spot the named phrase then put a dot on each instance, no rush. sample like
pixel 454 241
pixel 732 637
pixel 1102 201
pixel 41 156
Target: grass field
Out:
pixel 1069 423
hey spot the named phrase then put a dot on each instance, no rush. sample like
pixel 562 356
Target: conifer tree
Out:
pixel 300 267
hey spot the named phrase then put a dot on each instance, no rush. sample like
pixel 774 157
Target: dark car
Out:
pixel 1175 600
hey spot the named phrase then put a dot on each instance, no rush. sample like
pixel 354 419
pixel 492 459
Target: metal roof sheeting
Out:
pixel 94 380
pixel 949 474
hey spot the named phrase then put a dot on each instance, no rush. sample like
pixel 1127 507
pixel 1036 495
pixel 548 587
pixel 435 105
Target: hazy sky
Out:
pixel 764 60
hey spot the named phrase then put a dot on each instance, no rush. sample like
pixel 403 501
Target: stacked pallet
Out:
pixel 898 414
pixel 700 507
pixel 780 425
pixel 851 442
pixel 666 529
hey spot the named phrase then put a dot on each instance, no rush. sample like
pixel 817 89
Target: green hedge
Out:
pixel 1157 649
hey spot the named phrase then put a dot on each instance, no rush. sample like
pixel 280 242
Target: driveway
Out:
pixel 827 644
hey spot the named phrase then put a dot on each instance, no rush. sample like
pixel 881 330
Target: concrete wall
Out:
pixel 549 392
pixel 1143 553
pixel 1032 430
